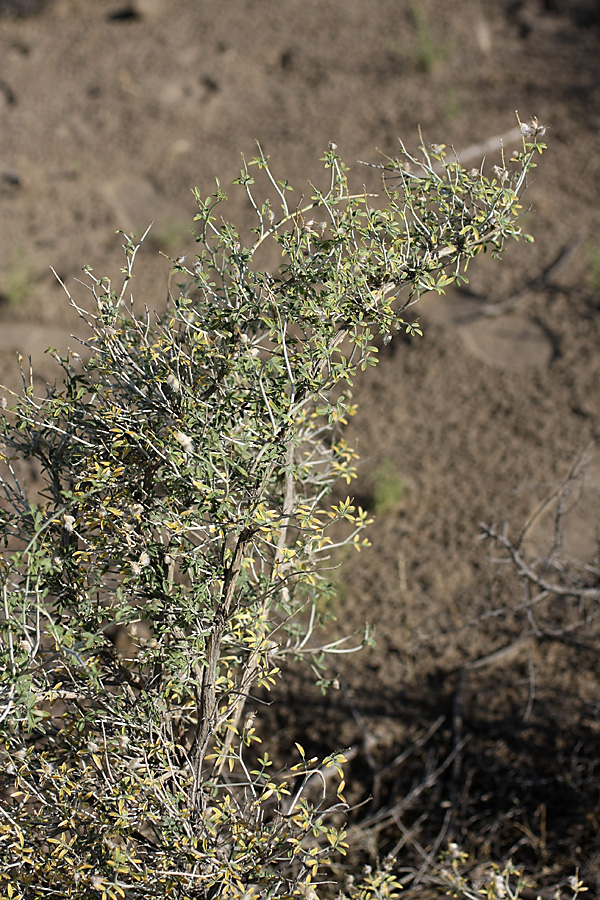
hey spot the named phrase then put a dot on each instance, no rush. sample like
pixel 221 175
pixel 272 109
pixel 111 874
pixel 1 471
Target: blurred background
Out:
pixel 112 111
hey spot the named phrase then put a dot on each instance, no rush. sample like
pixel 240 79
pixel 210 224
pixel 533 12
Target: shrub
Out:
pixel 172 552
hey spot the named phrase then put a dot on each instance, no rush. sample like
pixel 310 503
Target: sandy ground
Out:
pixel 110 112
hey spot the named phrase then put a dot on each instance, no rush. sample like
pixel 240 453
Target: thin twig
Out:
pixel 383 817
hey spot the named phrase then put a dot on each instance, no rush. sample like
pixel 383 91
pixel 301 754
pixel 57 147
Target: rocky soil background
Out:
pixel 110 112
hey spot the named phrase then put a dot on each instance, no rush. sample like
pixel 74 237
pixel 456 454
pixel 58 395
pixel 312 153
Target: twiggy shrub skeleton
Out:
pixel 185 474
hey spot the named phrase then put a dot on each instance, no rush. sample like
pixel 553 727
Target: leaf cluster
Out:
pixel 174 547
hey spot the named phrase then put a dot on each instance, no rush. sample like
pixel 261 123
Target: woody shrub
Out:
pixel 183 500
